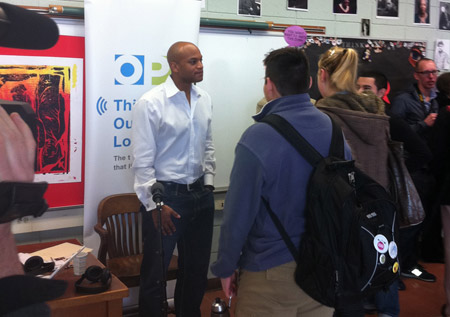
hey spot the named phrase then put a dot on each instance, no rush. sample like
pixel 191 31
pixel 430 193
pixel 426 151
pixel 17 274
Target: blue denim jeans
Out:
pixel 192 237
pixel 387 301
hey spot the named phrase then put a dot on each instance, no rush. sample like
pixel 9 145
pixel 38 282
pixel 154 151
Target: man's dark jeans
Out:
pixel 193 238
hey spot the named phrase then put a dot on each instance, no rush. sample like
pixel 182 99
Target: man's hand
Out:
pixel 430 119
pixel 229 285
pixel 167 226
pixel 17 149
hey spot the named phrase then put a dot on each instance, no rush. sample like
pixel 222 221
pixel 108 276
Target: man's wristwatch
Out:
pixel 210 187
pixel 18 200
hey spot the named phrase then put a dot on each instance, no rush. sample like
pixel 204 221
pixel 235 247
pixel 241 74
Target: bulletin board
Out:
pixel 52 82
pixel 393 58
pixel 234 77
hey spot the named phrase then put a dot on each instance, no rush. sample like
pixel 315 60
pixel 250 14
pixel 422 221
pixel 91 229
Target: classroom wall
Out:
pixel 67 223
pixel 320 14
pixel 46 3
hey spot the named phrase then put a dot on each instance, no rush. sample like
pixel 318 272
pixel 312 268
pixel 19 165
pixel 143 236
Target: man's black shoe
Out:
pixel 418 272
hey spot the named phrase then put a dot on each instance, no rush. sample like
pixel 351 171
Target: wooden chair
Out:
pixel 119 225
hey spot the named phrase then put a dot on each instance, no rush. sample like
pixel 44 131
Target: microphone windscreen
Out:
pixel 26 29
pixel 157 188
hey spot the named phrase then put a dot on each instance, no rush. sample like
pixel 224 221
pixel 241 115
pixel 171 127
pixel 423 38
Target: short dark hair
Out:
pixel 380 79
pixel 288 69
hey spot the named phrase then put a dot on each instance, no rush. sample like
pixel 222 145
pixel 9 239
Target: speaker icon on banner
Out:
pixel 101 105
pixel 129 69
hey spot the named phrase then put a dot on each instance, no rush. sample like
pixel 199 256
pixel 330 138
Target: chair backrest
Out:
pixel 119 226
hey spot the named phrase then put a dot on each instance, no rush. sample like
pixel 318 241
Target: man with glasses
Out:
pixel 418 107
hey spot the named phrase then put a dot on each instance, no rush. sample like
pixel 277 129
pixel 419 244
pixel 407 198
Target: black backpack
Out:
pixel 348 249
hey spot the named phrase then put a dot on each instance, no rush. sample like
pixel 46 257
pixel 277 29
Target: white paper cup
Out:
pixel 79 263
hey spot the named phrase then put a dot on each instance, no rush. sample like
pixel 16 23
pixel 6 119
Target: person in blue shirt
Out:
pixel 172 144
pixel 266 165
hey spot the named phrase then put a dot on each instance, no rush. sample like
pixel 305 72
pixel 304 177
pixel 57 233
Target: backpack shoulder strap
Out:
pixel 308 152
pixel 337 141
pixel 302 146
pixel 281 230
pixel 291 135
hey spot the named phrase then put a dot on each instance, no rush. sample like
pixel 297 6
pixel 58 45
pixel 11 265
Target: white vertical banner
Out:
pixel 126 48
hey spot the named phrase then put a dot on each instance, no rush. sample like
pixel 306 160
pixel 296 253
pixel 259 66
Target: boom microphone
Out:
pixel 25 29
pixel 157 191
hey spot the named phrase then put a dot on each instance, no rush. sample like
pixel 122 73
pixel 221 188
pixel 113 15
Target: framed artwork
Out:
pixel 444 15
pixel 344 6
pixel 365 27
pixel 441 54
pixel 249 7
pixel 422 12
pixel 297 5
pixel 387 9
pixel 51 87
pixel 52 82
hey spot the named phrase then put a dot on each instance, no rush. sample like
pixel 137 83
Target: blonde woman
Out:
pixel 361 115
pixel 366 129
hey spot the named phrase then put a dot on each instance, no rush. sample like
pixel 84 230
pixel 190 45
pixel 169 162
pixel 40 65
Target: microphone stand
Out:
pixel 163 281
pixel 157 191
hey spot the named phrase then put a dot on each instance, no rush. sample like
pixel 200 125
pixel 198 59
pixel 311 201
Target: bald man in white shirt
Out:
pixel 172 144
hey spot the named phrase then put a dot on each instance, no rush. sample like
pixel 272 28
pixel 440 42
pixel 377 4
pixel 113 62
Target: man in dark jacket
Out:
pixel 418 107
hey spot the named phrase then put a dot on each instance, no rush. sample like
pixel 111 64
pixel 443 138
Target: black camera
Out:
pixel 17 199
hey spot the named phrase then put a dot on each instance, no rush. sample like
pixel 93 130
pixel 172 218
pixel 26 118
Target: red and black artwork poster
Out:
pixel 47 89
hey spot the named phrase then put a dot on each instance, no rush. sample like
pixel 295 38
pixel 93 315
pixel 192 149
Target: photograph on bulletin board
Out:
pixel 301 5
pixel 387 9
pixel 344 7
pixel 422 12
pixel 249 7
pixel 441 54
pixel 444 15
pixel 52 82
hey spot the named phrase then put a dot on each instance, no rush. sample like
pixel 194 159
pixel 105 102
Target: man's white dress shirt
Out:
pixel 172 140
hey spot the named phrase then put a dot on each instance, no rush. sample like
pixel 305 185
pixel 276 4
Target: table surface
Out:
pixel 71 298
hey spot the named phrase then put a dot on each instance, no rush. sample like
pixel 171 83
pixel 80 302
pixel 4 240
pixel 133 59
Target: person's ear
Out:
pixel 310 82
pixel 271 89
pixel 381 92
pixel 323 75
pixel 173 67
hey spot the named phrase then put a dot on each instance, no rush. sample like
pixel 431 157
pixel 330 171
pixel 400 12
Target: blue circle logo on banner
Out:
pixel 295 35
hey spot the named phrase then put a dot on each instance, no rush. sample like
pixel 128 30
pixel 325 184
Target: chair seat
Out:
pixel 125 266
pixel 127 269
